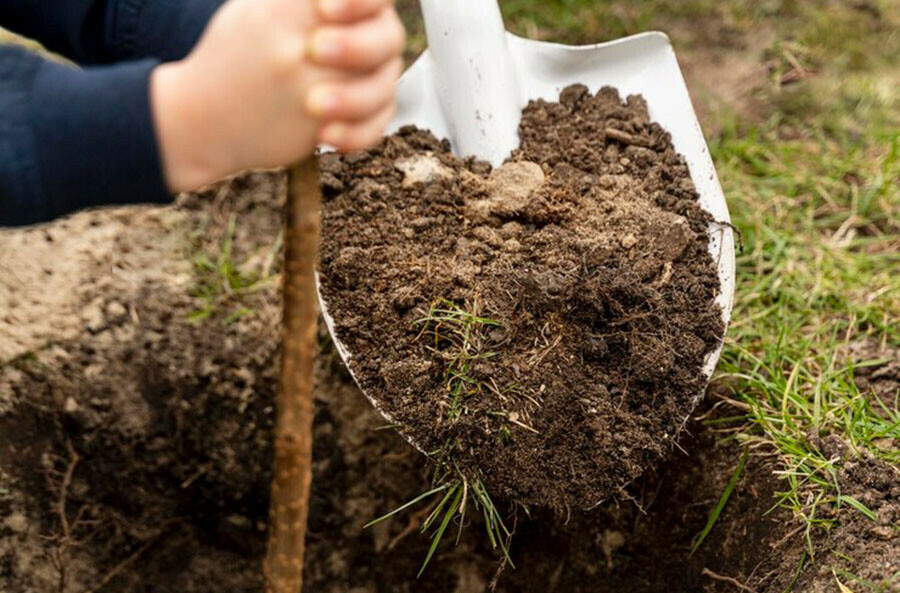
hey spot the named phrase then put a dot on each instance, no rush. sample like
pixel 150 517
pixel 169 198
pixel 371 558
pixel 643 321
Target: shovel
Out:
pixel 472 82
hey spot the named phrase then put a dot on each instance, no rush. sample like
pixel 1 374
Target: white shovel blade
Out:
pixel 641 64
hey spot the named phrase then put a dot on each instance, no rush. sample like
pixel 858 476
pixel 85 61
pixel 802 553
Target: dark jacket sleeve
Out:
pixel 72 138
pixel 106 31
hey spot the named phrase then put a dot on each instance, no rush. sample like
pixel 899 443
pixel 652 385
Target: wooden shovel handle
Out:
pixel 288 509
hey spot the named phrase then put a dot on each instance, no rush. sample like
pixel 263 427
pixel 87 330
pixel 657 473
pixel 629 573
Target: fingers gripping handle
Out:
pixel 476 76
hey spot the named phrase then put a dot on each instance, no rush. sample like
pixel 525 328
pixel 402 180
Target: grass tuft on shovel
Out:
pixel 456 489
pixel 458 334
pixel 462 331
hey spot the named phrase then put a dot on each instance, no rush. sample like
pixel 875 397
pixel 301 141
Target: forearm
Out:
pixel 73 138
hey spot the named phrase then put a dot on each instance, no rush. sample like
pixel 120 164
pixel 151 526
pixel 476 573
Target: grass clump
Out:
pixel 462 337
pixel 815 193
pixel 815 196
pixel 221 281
pixel 813 187
pixel 459 335
pixel 457 491
pixel 861 584
pixel 796 396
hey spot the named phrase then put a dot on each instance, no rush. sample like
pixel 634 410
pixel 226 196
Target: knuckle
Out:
pixel 342 46
pixel 353 104
pixel 369 6
pixel 358 50
pixel 286 55
pixel 346 9
pixel 339 104
pixel 398 30
pixel 331 45
pixel 358 136
pixel 395 69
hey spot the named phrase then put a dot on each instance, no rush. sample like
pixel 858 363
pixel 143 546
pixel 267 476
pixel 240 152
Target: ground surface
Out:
pixel 138 363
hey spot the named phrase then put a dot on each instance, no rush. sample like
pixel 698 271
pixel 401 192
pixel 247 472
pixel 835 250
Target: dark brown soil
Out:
pixel 588 248
pixel 130 511
pixel 171 425
pixel 879 381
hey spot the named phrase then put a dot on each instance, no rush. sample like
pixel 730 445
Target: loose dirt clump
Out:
pixel 543 325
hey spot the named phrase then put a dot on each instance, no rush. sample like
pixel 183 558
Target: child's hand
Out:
pixel 269 79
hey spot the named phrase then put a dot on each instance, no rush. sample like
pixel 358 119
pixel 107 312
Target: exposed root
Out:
pixel 789 535
pixel 731 580
pixel 62 542
pixel 415 520
pixel 625 137
pixel 118 568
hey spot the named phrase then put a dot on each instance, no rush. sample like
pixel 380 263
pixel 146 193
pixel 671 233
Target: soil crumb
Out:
pixel 543 325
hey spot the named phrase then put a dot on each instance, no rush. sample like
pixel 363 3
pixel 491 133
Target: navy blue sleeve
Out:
pixel 106 31
pixel 73 138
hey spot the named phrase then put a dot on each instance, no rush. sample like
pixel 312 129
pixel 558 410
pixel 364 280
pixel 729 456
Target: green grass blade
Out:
pixel 850 501
pixel 839 572
pixel 723 500
pixel 436 540
pixel 426 524
pixel 421 497
pixel 797 573
pixel 487 524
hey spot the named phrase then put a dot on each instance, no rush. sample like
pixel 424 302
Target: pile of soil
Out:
pixel 544 324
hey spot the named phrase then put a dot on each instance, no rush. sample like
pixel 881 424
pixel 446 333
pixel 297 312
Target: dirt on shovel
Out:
pixel 541 326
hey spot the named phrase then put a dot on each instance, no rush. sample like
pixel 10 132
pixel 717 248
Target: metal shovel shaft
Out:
pixel 293 431
pixel 475 75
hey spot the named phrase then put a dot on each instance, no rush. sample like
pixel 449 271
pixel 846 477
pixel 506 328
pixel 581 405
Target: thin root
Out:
pixel 725 579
